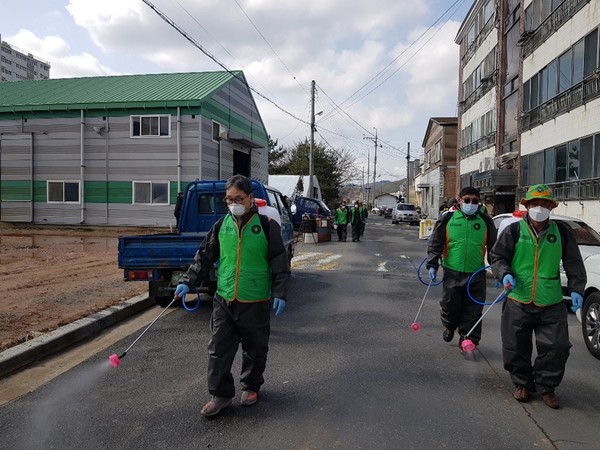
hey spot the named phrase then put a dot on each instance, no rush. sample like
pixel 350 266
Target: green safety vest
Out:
pixel 341 216
pixel 536 266
pixel 244 273
pixel 465 243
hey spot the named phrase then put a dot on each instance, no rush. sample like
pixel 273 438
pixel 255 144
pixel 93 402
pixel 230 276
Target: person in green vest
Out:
pixel 527 256
pixel 253 269
pixel 341 221
pixel 364 214
pixel 460 239
pixel 356 219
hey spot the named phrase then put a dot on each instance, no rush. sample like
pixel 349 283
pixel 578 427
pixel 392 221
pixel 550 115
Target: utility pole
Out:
pixel 374 139
pixel 375 163
pixel 312 141
pixel 408 174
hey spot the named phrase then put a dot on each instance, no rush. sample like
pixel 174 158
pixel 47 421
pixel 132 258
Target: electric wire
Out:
pixel 196 44
pixel 270 46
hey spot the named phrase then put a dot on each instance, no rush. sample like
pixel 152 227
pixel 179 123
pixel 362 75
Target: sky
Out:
pixel 382 66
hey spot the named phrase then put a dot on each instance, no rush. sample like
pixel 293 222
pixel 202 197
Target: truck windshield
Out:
pixel 405 207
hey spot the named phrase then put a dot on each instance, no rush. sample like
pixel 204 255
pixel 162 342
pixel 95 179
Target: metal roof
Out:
pixel 123 91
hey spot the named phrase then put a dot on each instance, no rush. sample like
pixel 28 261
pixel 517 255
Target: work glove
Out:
pixel 181 290
pixel 278 305
pixel 577 300
pixel 509 279
pixel 432 273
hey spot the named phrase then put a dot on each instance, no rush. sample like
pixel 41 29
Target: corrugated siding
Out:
pixel 113 160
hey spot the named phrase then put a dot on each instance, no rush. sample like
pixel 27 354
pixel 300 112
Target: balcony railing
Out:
pixel 557 19
pixel 578 95
pixel 477 146
pixel 588 189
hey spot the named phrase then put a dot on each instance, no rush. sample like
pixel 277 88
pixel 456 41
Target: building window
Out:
pixel 564 71
pixel 586 158
pixel 62 191
pixel 590 62
pixel 151 192
pixel 151 126
pixel 561 164
pixel 549 165
pixel 438 151
pixel 216 131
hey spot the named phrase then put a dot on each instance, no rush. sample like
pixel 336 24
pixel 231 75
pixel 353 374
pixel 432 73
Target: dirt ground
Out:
pixel 51 276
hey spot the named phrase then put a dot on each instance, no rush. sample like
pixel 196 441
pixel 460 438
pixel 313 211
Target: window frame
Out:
pixel 134 183
pixel 139 133
pixel 64 183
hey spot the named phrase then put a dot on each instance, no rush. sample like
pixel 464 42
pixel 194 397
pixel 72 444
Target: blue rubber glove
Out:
pixel 577 300
pixel 278 305
pixel 181 290
pixel 432 273
pixel 508 278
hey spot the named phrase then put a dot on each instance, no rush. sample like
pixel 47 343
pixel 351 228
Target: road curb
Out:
pixel 42 346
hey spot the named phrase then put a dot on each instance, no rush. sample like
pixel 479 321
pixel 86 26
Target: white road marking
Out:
pixel 315 260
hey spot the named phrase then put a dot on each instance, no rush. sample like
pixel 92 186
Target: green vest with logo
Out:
pixel 536 266
pixel 244 272
pixel 465 243
pixel 341 216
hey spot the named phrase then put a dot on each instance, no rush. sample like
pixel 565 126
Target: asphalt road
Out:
pixel 344 371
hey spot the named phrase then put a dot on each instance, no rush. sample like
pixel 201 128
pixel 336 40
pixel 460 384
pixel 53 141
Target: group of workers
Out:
pixel 254 273
pixel 356 216
pixel 525 259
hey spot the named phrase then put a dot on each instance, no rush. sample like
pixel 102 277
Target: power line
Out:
pixel 381 72
pixel 270 46
pixel 212 57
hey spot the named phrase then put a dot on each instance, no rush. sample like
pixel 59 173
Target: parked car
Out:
pixel 405 212
pixel 588 241
pixel 387 212
pixel 589 314
pixel 310 207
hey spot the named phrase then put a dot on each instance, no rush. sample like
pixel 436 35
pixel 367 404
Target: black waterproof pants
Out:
pixel 458 311
pixel 342 231
pixel 355 231
pixel 550 327
pixel 230 324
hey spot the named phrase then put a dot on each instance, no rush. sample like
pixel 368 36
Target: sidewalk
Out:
pixel 42 346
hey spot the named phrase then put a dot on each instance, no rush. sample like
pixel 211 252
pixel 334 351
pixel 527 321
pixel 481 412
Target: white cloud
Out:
pixel 342 44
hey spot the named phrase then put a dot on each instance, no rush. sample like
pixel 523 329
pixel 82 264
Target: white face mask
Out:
pixel 237 209
pixel 538 213
pixel 469 208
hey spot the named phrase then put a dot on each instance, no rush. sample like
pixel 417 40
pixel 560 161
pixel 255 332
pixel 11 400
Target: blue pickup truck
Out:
pixel 161 259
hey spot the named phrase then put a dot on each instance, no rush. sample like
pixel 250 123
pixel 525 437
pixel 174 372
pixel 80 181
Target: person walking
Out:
pixel 177 211
pixel 460 239
pixel 356 221
pixel 341 221
pixel 364 211
pixel 528 255
pixel 253 269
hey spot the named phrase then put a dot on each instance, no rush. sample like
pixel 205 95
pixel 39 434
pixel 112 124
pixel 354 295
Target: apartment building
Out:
pixel 560 105
pixel 529 102
pixel 16 64
pixel 488 90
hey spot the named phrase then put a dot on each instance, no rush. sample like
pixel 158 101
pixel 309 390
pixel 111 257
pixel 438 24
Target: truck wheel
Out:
pixel 590 323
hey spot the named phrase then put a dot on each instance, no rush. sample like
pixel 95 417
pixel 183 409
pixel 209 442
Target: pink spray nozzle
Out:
pixel 114 360
pixel 467 346
pixel 415 326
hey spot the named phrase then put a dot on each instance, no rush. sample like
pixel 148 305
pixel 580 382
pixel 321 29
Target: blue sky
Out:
pixel 377 64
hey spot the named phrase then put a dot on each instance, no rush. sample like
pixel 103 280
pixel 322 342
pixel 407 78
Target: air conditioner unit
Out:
pixel 224 133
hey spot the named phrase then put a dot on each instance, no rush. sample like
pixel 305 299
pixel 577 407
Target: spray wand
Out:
pixel 116 360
